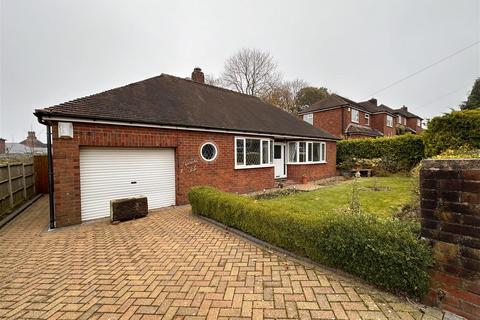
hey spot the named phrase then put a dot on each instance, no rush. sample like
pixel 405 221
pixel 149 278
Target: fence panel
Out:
pixel 17 184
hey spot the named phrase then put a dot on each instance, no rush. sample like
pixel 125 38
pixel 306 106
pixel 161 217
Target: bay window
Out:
pixel 252 152
pixel 300 152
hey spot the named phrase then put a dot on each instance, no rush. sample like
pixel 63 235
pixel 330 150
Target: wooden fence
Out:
pixel 17 184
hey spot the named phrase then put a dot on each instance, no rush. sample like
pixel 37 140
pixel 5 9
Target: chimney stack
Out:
pixel 2 146
pixel 404 108
pixel 198 76
pixel 31 139
pixel 373 100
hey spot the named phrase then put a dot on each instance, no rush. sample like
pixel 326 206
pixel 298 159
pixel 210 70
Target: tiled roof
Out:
pixel 173 101
pixel 404 112
pixel 353 128
pixel 332 101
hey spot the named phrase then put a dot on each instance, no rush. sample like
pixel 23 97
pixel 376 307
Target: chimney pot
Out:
pixel 198 76
pixel 373 100
pixel 404 108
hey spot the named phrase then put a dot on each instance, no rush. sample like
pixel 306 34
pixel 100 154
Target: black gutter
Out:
pixel 50 177
pixel 50 171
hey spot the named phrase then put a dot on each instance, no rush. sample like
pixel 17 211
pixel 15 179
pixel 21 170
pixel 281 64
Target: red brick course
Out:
pixel 450 192
pixel 191 169
pixel 329 121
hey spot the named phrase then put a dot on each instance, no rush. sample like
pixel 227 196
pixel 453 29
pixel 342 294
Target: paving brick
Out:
pixel 168 265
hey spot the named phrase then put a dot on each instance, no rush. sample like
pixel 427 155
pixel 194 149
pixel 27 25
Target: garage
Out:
pixel 115 173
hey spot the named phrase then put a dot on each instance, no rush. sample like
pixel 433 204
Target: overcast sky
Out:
pixel 54 51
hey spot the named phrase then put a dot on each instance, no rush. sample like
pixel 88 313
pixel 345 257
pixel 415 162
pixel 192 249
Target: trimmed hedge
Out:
pixel 402 152
pixel 387 253
pixel 452 131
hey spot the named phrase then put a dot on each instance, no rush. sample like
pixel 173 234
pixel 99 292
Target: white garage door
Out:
pixel 107 174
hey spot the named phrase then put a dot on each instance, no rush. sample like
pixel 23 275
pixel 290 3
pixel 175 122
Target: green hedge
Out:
pixel 387 253
pixel 452 131
pixel 402 152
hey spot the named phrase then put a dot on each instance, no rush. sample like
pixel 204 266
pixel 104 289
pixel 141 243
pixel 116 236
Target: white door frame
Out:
pixel 284 154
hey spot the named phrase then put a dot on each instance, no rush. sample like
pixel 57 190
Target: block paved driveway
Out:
pixel 172 265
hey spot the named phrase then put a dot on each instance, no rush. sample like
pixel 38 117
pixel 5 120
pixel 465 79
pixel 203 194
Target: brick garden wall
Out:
pixel 450 209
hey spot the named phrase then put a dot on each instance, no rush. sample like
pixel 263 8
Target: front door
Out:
pixel 279 160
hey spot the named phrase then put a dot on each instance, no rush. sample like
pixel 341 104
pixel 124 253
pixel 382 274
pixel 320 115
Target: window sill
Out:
pixel 305 163
pixel 254 167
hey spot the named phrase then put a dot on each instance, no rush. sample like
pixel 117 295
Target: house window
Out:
pixel 305 152
pixel 308 118
pixel 389 121
pixel 240 152
pixel 292 152
pixel 400 119
pixel 253 152
pixel 367 119
pixel 208 151
pixel 302 152
pixel 355 116
pixel 265 153
pixel 419 123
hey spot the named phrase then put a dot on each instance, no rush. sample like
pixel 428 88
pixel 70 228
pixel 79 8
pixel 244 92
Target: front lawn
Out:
pixel 382 196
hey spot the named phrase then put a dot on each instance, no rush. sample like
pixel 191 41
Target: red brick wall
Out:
pixel 450 207
pixel 379 122
pixel 412 123
pixel 315 171
pixel 191 169
pixel 329 121
pixel 2 145
pixel 219 173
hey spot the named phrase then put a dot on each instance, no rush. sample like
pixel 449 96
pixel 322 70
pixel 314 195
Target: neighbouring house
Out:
pixel 348 119
pixel 30 146
pixel 161 136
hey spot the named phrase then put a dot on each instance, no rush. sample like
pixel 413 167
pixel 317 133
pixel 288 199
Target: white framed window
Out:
pixel 306 152
pixel 399 119
pixel 253 152
pixel 308 118
pixel 389 121
pixel 419 123
pixel 355 116
pixel 367 119
pixel 208 151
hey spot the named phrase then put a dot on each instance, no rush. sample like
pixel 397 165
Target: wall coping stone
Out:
pixel 451 164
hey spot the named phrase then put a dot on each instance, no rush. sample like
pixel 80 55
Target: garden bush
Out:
pixel 452 131
pixel 385 252
pixel 399 153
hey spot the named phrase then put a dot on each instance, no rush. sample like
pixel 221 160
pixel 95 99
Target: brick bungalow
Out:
pixel 163 135
pixel 348 119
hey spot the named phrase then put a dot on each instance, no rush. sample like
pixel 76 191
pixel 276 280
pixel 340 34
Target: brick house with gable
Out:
pixel 348 119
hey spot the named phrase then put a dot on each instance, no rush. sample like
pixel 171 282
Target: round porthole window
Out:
pixel 208 151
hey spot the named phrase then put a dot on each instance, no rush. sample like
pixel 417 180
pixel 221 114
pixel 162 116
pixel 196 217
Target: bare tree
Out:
pixel 251 71
pixel 283 95
pixel 213 80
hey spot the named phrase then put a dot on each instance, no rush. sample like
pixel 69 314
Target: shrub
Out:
pixel 387 253
pixel 460 153
pixel 399 153
pixel 452 131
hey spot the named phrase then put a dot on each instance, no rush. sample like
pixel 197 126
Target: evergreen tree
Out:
pixel 473 101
